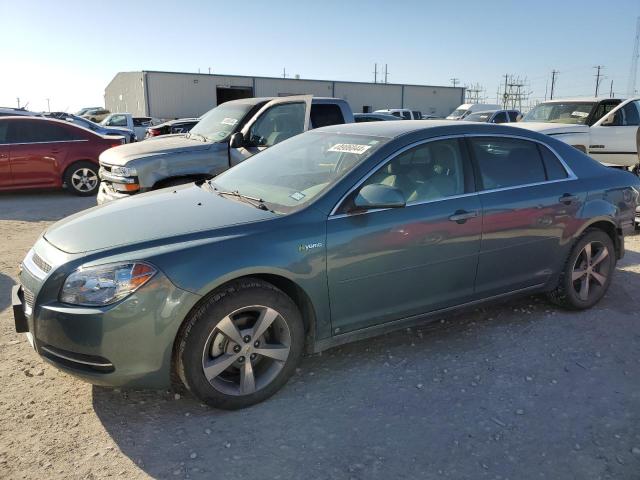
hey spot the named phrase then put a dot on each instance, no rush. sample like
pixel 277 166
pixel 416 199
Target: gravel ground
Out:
pixel 517 390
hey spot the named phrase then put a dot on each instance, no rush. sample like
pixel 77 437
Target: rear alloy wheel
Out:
pixel 588 272
pixel 241 346
pixel 82 178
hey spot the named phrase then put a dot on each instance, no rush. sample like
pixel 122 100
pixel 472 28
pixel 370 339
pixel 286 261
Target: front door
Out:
pixel 389 264
pixel 614 136
pixel 38 149
pixel 528 201
pixel 276 121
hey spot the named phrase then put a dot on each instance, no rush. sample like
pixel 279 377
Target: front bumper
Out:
pixel 107 194
pixel 127 344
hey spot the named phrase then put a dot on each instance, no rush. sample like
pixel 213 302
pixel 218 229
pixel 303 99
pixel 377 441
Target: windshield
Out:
pixel 458 113
pixel 291 174
pixel 479 117
pixel 557 112
pixel 219 123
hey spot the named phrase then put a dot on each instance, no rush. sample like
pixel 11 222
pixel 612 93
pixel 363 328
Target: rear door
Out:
pixel 275 122
pixel 5 151
pixel 529 199
pixel 38 151
pixel 613 137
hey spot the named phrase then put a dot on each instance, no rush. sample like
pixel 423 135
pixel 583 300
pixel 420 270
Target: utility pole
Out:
pixel 553 82
pixel 48 106
pixel 611 90
pixel 455 81
pixel 386 74
pixel 375 73
pixel 18 98
pixel 209 70
pixel 631 86
pixel 284 72
pixel 598 68
pixel 504 95
pixel 546 89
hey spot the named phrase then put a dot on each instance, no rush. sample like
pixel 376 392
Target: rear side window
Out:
pixel 38 132
pixel 507 162
pixel 406 115
pixel 501 117
pixel 141 121
pixel 552 166
pixel 323 115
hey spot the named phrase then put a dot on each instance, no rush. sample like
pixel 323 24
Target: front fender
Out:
pixel 156 168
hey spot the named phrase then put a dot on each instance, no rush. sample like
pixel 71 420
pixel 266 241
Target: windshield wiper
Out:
pixel 256 202
pixel 196 135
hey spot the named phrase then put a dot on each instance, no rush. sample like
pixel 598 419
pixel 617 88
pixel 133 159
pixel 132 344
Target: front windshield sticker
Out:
pixel 579 114
pixel 350 148
pixel 297 196
pixel 229 121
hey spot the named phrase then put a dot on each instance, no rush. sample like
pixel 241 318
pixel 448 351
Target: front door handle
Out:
pixel 462 216
pixel 55 150
pixel 567 198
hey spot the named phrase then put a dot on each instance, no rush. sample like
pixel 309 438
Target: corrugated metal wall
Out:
pixel 173 95
pixel 125 94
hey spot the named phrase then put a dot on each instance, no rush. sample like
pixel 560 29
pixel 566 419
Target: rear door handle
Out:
pixel 462 216
pixel 567 198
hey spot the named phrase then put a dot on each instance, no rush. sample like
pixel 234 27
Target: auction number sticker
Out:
pixel 350 148
pixel 229 121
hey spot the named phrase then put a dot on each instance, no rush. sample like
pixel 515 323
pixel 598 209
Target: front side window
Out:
pixel 290 175
pixel 513 116
pixel 501 117
pixel 277 124
pixel 406 115
pixel 507 162
pixel 430 171
pixel 478 117
pixel 117 121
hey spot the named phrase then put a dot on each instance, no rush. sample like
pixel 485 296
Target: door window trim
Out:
pixel 461 136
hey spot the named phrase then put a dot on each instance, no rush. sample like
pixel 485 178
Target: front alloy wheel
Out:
pixel 241 345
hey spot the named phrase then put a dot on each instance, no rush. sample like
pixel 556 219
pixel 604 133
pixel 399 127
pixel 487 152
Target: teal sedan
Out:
pixel 335 235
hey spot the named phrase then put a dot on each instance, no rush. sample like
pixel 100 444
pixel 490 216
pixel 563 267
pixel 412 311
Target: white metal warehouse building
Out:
pixel 176 95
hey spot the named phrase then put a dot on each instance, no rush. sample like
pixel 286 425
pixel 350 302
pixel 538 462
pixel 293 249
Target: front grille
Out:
pixel 28 297
pixel 40 263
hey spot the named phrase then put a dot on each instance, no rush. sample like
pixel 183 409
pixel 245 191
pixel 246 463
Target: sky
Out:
pixel 67 51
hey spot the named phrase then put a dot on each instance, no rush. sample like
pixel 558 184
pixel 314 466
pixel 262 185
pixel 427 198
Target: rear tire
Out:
pixel 241 345
pixel 587 273
pixel 81 178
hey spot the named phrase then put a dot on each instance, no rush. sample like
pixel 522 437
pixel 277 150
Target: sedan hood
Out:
pixel 550 128
pixel 150 216
pixel 161 146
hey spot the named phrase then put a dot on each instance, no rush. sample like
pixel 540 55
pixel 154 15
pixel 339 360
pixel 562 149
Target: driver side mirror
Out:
pixel 378 195
pixel 236 140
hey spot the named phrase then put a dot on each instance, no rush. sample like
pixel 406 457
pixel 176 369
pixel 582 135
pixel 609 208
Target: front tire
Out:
pixel 241 346
pixel 81 178
pixel 587 273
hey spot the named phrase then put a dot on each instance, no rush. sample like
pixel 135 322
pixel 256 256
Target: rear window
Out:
pixel 323 115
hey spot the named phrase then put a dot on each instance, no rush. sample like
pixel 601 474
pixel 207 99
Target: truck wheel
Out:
pixel 81 178
pixel 241 346
pixel 587 273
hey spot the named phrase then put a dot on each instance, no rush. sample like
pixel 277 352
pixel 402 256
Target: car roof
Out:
pixel 437 127
pixel 580 99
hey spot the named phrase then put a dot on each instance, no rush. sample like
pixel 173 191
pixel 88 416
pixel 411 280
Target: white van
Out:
pixel 467 108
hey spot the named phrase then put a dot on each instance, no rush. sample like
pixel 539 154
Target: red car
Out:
pixel 43 153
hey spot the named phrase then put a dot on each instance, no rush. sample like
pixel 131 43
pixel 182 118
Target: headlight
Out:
pixel 124 171
pixel 105 284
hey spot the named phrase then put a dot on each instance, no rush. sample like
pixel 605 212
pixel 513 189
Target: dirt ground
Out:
pixel 518 390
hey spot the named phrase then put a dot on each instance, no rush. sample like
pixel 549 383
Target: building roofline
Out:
pixel 295 79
